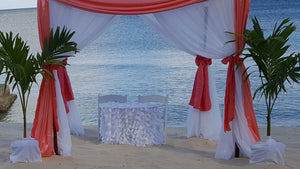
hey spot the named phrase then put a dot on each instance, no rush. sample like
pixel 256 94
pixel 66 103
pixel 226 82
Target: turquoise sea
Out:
pixel 130 59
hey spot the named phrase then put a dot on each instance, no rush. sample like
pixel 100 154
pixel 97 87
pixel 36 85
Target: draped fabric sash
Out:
pixel 65 85
pixel 128 7
pixel 200 96
pixel 46 112
pixel 230 97
pixel 248 105
pixel 229 105
pixel 242 8
pixel 45 117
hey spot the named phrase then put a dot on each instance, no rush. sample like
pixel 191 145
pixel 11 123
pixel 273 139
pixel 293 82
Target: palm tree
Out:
pixel 275 69
pixel 22 68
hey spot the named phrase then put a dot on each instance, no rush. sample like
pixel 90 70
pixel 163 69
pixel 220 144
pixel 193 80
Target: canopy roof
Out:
pixel 128 7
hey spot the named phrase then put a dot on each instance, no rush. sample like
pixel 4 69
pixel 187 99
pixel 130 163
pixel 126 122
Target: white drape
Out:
pixel 74 120
pixel 199 29
pixel 88 26
pixel 64 143
pixel 240 133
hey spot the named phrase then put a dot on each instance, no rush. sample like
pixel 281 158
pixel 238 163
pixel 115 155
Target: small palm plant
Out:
pixel 22 68
pixel 275 69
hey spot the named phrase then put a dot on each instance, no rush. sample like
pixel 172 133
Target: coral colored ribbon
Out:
pixel 230 97
pixel 248 105
pixel 65 85
pixel 230 91
pixel 43 18
pixel 200 96
pixel 45 116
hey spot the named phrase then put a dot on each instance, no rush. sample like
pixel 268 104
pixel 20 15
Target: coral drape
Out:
pixel 242 8
pixel 200 96
pixel 45 117
pixel 128 7
pixel 43 20
pixel 46 111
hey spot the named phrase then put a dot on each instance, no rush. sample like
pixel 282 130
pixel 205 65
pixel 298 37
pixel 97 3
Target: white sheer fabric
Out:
pixel 199 29
pixel 240 133
pixel 64 143
pixel 74 120
pixel 205 124
pixel 88 26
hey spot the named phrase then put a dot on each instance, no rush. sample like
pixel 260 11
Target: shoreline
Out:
pixel 17 9
pixel 179 152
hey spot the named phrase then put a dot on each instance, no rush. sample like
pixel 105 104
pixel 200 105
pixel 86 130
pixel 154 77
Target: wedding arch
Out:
pixel 197 27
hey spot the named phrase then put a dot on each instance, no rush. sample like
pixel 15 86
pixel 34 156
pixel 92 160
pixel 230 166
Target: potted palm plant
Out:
pixel 276 69
pixel 22 68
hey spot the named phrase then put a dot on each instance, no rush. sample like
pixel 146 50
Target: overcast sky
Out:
pixel 13 4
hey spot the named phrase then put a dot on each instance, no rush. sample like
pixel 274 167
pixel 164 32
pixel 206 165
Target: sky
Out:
pixel 15 4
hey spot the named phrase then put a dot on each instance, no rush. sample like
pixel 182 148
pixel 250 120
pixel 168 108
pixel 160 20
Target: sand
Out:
pixel 178 152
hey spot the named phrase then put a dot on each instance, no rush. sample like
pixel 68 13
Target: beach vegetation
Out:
pixel 22 68
pixel 276 69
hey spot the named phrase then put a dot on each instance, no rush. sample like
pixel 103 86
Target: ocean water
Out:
pixel 17 4
pixel 130 59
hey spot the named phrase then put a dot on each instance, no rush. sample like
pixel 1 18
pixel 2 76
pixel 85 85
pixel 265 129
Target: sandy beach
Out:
pixel 178 152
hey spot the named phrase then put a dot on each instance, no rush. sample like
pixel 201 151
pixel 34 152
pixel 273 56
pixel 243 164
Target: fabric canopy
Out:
pixel 197 27
pixel 128 7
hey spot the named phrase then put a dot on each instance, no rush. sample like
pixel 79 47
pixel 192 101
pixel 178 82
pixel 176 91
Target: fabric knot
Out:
pixel 199 59
pixel 200 96
pixel 233 59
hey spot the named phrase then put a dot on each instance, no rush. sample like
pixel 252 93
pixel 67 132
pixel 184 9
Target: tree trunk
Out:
pixel 269 123
pixel 24 125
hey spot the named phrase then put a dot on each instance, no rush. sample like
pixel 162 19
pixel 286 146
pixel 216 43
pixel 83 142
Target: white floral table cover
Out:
pixel 139 124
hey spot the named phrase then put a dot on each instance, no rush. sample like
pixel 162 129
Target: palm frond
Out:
pixel 274 68
pixel 57 47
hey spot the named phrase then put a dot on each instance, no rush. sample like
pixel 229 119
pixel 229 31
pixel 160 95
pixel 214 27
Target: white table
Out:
pixel 139 124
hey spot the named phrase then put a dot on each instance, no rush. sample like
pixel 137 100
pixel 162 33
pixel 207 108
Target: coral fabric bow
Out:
pixel 200 96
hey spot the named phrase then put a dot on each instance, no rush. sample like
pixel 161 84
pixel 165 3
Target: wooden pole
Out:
pixel 55 139
pixel 237 151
